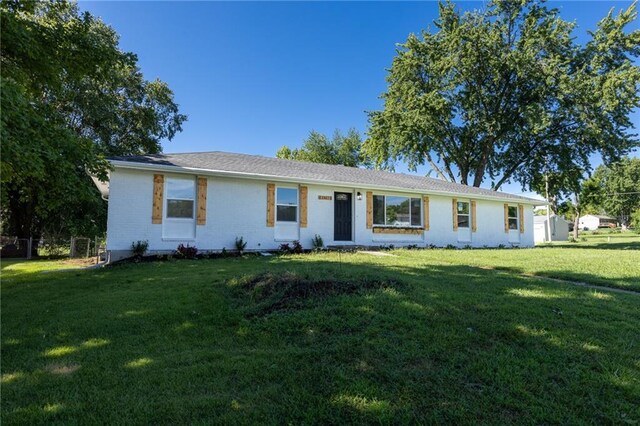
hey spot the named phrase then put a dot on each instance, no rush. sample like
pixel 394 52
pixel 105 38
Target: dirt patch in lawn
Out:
pixel 277 292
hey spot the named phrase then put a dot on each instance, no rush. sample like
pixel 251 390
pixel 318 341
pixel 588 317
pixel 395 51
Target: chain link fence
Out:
pixel 73 247
pixel 15 247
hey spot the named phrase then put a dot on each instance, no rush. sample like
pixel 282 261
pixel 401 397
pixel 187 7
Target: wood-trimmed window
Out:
pixel 397 211
pixel 513 218
pixel 180 208
pixel 463 213
pixel 181 198
pixel 286 204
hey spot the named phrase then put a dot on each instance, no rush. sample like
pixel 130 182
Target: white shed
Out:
pixel 559 229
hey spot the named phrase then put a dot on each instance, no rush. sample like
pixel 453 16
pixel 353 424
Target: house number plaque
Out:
pixel 324 197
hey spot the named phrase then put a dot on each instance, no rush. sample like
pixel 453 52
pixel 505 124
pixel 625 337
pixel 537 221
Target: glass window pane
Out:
pixel 513 211
pixel 398 211
pixel 287 196
pixel 287 213
pixel 181 188
pixel 463 221
pixel 463 208
pixel 378 209
pixel 513 223
pixel 180 208
pixel 416 213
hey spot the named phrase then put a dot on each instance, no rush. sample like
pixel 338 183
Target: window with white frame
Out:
pixel 181 195
pixel 463 214
pixel 392 210
pixel 287 204
pixel 512 215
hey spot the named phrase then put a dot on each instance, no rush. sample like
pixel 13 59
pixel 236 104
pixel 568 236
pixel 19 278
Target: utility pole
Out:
pixel 546 190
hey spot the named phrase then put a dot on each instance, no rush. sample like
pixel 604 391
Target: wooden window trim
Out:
pixel 201 196
pixel 506 218
pixel 521 217
pixel 474 223
pixel 271 204
pixel 303 194
pixel 369 209
pixel 158 199
pixel 454 210
pixel 425 212
pixel 397 230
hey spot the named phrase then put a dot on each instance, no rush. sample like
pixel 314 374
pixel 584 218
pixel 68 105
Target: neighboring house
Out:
pixel 594 221
pixel 559 229
pixel 208 199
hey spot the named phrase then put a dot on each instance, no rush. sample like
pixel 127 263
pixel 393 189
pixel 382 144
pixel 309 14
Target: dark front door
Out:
pixel 342 216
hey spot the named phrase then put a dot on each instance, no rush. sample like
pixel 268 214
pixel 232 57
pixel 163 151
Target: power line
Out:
pixel 612 193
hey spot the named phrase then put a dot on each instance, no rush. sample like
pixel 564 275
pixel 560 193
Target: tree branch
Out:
pixel 436 168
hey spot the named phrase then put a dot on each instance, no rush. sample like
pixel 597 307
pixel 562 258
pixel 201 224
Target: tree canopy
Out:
pixel 617 188
pixel 506 94
pixel 70 97
pixel 317 148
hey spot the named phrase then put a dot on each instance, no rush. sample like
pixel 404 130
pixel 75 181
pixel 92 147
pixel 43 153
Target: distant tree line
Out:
pixel 341 149
pixel 612 190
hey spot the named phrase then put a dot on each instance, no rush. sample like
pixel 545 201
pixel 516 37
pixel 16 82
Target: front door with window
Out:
pixel 342 213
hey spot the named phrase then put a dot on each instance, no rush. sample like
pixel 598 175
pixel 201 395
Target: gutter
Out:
pixel 274 178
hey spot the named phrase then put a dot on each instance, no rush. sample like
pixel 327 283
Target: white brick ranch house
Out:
pixel 208 199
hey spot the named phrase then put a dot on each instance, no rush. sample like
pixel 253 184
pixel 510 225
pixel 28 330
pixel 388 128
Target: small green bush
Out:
pixel 139 248
pixel 240 244
pixel 317 243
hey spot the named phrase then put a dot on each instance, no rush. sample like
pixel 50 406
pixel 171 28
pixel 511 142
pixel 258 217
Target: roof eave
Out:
pixel 275 178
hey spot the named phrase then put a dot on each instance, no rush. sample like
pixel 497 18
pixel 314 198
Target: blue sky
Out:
pixel 255 76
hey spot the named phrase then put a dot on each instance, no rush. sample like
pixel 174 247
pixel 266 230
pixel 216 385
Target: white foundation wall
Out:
pixel 237 208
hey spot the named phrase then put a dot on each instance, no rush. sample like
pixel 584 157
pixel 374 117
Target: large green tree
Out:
pixel 70 97
pixel 318 148
pixel 505 93
pixel 618 188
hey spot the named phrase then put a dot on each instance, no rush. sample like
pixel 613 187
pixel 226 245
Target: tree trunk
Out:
pixel 21 219
pixel 576 219
pixel 553 200
pixel 484 160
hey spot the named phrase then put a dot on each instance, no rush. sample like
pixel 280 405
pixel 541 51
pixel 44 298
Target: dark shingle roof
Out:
pixel 217 161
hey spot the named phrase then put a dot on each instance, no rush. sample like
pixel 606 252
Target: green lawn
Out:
pixel 605 239
pixel 20 266
pixel 595 261
pixel 426 339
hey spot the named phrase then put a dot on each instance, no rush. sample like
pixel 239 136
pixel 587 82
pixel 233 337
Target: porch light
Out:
pixel 359 196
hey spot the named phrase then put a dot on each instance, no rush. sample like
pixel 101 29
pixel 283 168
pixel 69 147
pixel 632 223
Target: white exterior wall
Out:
pixel 589 222
pixel 237 208
pixel 559 230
